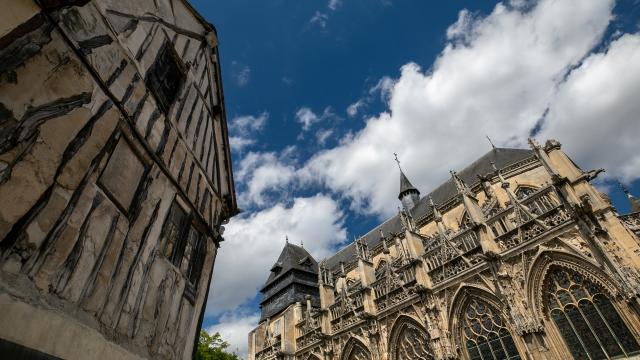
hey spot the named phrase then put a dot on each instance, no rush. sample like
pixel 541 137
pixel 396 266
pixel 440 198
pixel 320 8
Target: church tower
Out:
pixel 293 277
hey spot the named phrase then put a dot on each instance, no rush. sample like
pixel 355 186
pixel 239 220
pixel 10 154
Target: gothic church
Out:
pixel 517 256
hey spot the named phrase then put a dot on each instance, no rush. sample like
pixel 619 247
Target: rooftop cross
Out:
pixel 397 161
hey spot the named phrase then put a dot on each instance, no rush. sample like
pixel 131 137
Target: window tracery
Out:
pixel 410 342
pixel 355 350
pixel 585 317
pixel 484 333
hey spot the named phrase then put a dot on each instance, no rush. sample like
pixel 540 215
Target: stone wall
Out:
pixel 111 114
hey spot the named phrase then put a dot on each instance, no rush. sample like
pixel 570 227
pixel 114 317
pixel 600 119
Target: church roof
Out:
pixel 405 185
pixel 292 257
pixel 502 157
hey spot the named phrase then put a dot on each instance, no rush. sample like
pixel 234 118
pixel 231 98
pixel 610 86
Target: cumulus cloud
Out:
pixel 254 241
pixel 306 117
pixel 596 113
pixel 244 128
pixel 234 328
pixel 496 76
pixel 260 173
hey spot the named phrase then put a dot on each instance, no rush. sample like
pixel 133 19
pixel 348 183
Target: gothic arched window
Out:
pixel 409 341
pixel 355 350
pixel 485 335
pixel 585 317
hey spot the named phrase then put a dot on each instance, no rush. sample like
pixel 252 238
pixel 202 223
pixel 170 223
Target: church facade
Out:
pixel 115 178
pixel 517 256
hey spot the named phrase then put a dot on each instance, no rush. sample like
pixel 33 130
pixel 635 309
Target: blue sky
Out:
pixel 319 94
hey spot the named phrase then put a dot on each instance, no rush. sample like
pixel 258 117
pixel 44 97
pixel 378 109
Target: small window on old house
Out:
pixel 165 77
pixel 184 245
pixel 172 232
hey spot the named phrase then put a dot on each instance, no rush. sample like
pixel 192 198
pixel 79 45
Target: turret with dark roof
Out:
pixel 292 278
pixel 408 195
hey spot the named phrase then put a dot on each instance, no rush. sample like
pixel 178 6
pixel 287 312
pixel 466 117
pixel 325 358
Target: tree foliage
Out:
pixel 212 347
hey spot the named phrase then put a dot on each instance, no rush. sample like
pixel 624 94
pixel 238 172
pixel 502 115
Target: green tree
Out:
pixel 212 347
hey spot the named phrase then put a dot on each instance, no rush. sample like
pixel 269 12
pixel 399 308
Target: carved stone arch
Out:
pixel 578 301
pixel 475 306
pixel 409 340
pixel 355 349
pixel 540 266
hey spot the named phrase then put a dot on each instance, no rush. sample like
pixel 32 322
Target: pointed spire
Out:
pixel 490 142
pixel 633 201
pixel 405 185
pixel 460 185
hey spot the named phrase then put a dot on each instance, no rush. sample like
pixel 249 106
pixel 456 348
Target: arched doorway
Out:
pixel 409 341
pixel 585 317
pixel 355 350
pixel 485 335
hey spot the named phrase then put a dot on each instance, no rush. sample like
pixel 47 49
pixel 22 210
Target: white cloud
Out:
pixel 249 123
pixel 234 328
pixel 495 77
pixel 238 143
pixel 352 110
pixel 262 172
pixel 307 117
pixel 334 4
pixel 241 73
pixel 254 241
pixel 323 135
pixel 244 128
pixel 596 113
pixel 319 19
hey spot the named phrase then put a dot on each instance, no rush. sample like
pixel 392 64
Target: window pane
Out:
pixel 606 339
pixel 509 345
pixel 568 335
pixel 474 354
pixel 484 348
pixel 197 259
pixel 583 331
pixel 172 229
pixel 616 323
pixel 496 346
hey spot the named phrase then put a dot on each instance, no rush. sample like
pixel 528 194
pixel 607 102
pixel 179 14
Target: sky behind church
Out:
pixel 320 94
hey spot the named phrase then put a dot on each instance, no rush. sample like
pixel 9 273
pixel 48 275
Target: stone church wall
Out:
pixel 112 126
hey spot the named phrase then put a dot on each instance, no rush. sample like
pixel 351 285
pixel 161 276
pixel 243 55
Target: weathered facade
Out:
pixel 517 256
pixel 115 177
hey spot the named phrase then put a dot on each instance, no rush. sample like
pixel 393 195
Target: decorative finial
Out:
pixel 286 238
pixel 397 161
pixel 623 188
pixel 490 142
pixel 301 243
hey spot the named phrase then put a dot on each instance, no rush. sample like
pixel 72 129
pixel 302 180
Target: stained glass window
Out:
pixel 587 320
pixel 485 334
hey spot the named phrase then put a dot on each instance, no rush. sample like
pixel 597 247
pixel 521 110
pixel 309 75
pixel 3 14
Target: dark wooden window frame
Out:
pixel 166 62
pixel 198 251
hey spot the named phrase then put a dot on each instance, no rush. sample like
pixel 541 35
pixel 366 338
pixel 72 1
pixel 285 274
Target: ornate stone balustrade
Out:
pixel 532 229
pixel 270 352
pixel 390 289
pixel 309 331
